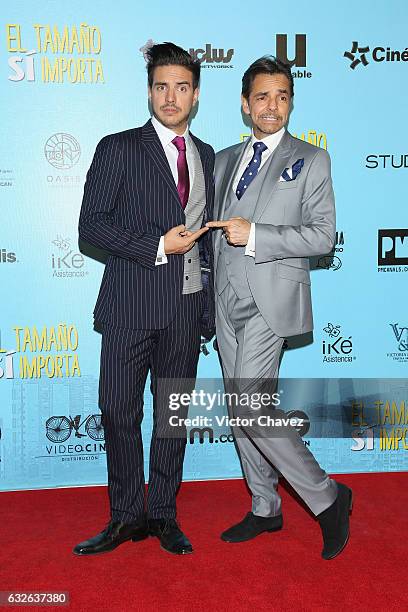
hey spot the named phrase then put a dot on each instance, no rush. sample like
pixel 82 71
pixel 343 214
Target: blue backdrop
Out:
pixel 73 72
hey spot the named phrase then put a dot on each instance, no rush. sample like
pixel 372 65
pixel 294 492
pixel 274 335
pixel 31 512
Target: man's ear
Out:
pixel 245 105
pixel 149 92
pixel 196 95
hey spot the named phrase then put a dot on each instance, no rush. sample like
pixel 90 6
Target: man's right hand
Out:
pixel 178 240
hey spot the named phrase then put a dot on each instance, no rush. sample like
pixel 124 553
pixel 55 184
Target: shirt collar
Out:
pixel 271 141
pixel 165 134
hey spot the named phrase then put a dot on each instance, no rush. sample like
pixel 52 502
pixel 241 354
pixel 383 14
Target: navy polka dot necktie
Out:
pixel 251 170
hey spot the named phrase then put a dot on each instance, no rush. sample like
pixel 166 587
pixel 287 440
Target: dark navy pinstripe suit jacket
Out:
pixel 130 200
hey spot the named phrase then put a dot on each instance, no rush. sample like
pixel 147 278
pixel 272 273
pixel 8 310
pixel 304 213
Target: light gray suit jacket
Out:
pixel 294 221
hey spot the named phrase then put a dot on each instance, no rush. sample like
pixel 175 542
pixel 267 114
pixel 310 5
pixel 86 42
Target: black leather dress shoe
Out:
pixel 170 535
pixel 335 523
pixel 251 526
pixel 112 536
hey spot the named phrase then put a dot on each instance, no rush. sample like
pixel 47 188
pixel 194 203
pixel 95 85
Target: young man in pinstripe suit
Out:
pixel 147 197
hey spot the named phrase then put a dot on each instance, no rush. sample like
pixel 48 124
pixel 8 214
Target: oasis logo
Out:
pixel 393 248
pixel 337 348
pixel 62 151
pixel 387 161
pixel 298 55
pixel 361 54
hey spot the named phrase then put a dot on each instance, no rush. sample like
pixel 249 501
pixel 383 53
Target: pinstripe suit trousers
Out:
pixel 127 355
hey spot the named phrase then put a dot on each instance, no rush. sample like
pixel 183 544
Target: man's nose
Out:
pixel 170 95
pixel 272 104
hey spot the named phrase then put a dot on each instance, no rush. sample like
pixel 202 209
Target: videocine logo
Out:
pixel 360 54
pixel 299 58
pixel 393 247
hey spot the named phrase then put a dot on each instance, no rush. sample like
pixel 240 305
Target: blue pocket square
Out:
pixel 289 174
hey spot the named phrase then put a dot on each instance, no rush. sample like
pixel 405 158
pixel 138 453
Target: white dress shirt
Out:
pixel 166 136
pixel 271 142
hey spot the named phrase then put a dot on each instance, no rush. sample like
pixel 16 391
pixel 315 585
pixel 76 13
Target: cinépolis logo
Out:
pixel 55 54
pixel 47 352
pixel 362 54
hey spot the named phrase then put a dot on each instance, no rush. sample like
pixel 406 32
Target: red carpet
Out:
pixel 278 571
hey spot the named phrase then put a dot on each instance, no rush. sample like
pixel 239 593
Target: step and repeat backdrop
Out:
pixel 73 72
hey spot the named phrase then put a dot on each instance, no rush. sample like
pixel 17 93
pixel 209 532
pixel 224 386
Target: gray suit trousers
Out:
pixel 250 351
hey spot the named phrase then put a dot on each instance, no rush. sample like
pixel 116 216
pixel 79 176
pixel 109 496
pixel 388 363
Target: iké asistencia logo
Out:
pixel 75 438
pixel 400 336
pixel 363 55
pixel 383 425
pixel 336 346
pixel 40 352
pixel 392 250
pixel 56 53
pixel 66 262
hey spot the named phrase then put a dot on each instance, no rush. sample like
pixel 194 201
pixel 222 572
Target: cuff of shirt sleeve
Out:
pixel 250 247
pixel 161 255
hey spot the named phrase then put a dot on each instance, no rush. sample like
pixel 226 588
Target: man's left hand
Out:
pixel 235 229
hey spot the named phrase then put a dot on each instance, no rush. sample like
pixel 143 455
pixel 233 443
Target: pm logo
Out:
pixel 62 151
pixel 392 247
pixel 299 59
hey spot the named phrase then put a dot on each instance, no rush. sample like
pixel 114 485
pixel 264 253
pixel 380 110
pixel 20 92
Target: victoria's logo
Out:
pixel 62 151
pixel 357 55
pixel 401 335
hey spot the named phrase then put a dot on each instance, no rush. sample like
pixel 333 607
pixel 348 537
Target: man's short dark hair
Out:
pixel 166 54
pixel 268 64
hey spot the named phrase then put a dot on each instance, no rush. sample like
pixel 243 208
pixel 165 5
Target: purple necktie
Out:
pixel 183 185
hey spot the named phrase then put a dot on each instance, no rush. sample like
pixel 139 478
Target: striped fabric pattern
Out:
pixel 130 200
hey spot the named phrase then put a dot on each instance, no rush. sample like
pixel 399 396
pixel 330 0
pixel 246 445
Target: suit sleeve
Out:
pixel 316 234
pixel 103 186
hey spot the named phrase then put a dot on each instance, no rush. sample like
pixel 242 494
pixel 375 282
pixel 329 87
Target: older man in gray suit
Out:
pixel 275 208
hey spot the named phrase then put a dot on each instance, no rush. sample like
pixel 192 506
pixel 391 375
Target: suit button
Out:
pixel 186 277
pixel 189 260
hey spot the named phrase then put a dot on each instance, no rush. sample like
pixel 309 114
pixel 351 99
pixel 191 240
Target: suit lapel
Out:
pixel 208 178
pixel 230 171
pixel 154 149
pixel 278 163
